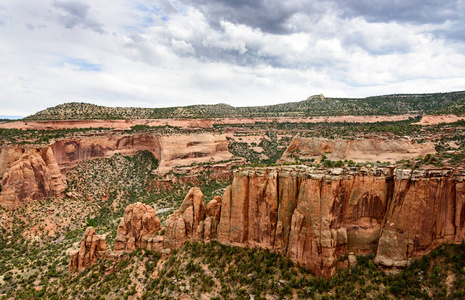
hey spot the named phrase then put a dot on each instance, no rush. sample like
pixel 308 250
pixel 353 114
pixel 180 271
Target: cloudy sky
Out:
pixel 166 53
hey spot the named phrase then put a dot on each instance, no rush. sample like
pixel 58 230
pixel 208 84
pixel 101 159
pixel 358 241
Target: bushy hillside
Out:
pixel 436 103
pixel 215 271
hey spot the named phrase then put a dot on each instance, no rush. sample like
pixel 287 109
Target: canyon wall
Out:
pixel 356 150
pixel 315 216
pixel 35 172
pixel 69 152
pixel 27 174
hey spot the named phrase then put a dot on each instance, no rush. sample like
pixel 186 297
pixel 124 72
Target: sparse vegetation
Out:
pixel 418 104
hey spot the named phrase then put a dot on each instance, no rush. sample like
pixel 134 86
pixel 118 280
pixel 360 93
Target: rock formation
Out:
pixel 137 228
pixel 356 150
pixel 29 174
pixel 69 152
pixel 187 223
pixel 38 172
pixel 187 149
pixel 315 216
pixel 93 247
pixel 212 219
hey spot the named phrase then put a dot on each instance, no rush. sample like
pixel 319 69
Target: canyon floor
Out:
pixel 332 207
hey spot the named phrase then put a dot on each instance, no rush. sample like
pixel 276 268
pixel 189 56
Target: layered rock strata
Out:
pixel 93 247
pixel 28 174
pixel 38 172
pixel 193 221
pixel 316 216
pixel 357 150
pixel 137 228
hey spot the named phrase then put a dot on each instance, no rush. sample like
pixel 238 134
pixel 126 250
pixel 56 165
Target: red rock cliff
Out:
pixel 29 174
pixel 313 217
pixel 368 149
pixel 33 172
pixel 93 247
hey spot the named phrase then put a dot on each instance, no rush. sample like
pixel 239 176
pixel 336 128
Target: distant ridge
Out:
pixel 433 103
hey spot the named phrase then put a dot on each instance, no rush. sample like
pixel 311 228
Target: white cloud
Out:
pixel 161 53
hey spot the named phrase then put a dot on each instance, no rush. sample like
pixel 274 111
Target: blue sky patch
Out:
pixel 84 65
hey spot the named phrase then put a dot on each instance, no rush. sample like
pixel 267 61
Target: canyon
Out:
pixel 30 172
pixel 318 218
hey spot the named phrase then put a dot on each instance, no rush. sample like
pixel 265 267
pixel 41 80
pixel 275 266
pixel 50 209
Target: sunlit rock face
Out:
pixel 316 216
pixel 137 228
pixel 93 247
pixel 28 174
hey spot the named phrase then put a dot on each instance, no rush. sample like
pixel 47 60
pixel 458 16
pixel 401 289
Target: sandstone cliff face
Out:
pixel 356 150
pixel 93 247
pixel 171 151
pixel 29 174
pixel 183 150
pixel 137 228
pixel 38 172
pixel 311 216
pixel 315 216
pixel 72 151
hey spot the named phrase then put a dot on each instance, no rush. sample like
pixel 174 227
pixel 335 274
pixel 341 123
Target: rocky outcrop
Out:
pixel 212 219
pixel 137 229
pixel 29 174
pixel 93 247
pixel 38 172
pixel 315 216
pixel 356 150
pixel 188 149
pixel 187 223
pixel 312 216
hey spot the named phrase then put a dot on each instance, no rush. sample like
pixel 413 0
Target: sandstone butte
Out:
pixel 315 217
pixel 35 172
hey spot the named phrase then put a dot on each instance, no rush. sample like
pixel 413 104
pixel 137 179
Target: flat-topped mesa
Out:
pixel 315 216
pixel 137 229
pixel 93 247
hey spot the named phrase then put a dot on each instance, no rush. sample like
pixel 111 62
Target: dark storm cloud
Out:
pixel 77 14
pixel 272 15
pixel 409 11
pixel 268 16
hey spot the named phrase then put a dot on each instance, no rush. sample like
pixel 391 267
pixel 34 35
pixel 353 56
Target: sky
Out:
pixel 160 53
